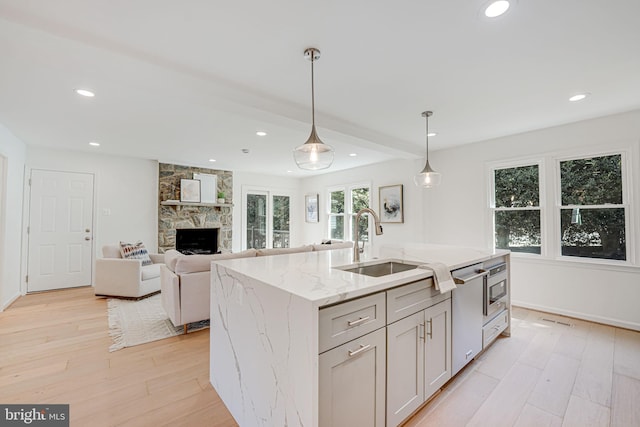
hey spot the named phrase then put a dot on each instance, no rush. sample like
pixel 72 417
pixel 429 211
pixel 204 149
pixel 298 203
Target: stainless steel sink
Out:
pixel 379 269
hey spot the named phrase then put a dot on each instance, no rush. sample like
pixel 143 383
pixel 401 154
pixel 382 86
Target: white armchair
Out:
pixel 126 278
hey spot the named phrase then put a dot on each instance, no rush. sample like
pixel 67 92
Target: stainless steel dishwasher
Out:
pixel 467 315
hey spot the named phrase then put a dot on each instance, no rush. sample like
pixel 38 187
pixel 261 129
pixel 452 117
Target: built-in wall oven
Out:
pixel 495 291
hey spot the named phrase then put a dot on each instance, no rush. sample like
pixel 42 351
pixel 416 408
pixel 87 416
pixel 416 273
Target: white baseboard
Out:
pixel 577 315
pixel 11 301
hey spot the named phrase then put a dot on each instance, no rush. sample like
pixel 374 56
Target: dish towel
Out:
pixel 441 276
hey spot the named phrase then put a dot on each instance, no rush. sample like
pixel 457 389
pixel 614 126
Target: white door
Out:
pixel 60 230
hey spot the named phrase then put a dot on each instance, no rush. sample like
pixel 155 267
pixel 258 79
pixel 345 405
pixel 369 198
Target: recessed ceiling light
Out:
pixel 432 133
pixel 579 97
pixel 496 8
pixel 94 144
pixel 261 133
pixel 245 150
pixel 85 92
pixel 289 171
pixel 212 160
pixel 352 154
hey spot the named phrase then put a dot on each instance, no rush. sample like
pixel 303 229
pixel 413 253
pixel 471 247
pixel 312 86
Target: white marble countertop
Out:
pixel 313 276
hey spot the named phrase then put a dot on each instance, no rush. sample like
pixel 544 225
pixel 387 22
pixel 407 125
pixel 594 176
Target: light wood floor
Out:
pixel 545 374
pixel 54 349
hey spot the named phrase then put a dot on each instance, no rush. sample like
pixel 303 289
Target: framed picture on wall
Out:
pixel 311 207
pixel 190 190
pixel 391 204
pixel 208 187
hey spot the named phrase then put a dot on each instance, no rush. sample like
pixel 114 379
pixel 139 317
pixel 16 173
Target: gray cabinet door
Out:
pixel 405 367
pixel 437 347
pixel 352 383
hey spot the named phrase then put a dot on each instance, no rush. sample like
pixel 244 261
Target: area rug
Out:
pixel 138 322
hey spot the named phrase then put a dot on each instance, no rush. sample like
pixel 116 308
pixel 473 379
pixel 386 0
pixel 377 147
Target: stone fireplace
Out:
pixel 196 215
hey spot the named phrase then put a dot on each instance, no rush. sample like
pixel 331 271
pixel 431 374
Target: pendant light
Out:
pixel 427 177
pixel 313 154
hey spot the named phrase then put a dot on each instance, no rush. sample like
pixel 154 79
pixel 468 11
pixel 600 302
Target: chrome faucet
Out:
pixel 377 226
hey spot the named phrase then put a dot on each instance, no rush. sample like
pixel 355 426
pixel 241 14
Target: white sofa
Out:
pixel 185 279
pixel 126 278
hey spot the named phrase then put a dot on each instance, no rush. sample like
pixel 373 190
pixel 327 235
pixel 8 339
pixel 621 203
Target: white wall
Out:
pixel 14 152
pixel 377 175
pixel 454 213
pixel 291 186
pixel 459 214
pixel 126 187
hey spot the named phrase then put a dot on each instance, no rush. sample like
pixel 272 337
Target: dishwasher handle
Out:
pixel 466 279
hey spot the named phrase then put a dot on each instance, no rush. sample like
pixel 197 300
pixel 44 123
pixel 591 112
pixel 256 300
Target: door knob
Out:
pixel 86 230
pixel 87 238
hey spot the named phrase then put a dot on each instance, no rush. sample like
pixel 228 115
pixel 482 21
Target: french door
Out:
pixel 266 219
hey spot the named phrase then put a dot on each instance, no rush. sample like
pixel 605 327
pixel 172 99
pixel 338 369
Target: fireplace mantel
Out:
pixel 177 203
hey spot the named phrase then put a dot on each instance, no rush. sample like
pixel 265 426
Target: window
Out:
pixel 256 235
pixel 359 200
pixel 593 215
pixel 516 209
pixel 267 217
pixel 280 238
pixel 336 214
pixel 592 208
pixel 344 204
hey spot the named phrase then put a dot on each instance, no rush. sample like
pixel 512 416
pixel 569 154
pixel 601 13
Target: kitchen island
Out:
pixel 267 322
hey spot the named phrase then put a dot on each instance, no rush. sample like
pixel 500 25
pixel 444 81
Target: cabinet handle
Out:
pixel 360 350
pixel 430 333
pixel 357 322
pixel 463 280
pixel 421 331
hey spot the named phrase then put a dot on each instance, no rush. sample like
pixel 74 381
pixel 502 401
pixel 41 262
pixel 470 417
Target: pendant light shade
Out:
pixel 427 177
pixel 313 154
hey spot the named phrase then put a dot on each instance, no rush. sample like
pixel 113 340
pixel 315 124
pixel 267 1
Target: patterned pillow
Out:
pixel 135 251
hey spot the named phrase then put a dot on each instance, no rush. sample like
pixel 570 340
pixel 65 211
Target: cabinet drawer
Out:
pixel 405 300
pixel 494 328
pixel 349 320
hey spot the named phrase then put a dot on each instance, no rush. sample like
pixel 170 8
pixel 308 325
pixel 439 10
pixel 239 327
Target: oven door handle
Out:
pixel 467 279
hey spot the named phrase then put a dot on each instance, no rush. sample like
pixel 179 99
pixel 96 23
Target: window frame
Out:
pixel 627 205
pixel 550 202
pixel 270 194
pixel 349 215
pixel 541 208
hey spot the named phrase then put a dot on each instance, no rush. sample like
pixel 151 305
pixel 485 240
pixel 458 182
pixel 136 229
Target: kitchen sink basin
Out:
pixel 379 269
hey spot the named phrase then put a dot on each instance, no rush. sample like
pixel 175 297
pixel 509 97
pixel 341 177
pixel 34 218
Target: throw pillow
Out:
pixel 135 251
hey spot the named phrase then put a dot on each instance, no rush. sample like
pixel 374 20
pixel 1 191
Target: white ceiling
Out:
pixel 186 81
